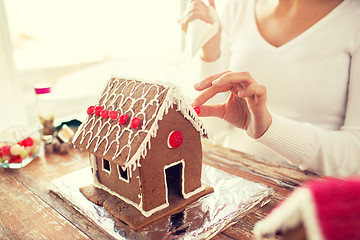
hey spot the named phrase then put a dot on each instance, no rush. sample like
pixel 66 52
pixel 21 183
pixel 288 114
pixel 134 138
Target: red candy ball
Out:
pixel 123 119
pixel 90 110
pixel 5 150
pixel 175 139
pixel 15 159
pixel 197 110
pixel 113 115
pixel 135 122
pixel 27 142
pixel 104 113
pixel 98 110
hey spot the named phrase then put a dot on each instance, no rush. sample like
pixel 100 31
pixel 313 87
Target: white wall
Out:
pixel 12 111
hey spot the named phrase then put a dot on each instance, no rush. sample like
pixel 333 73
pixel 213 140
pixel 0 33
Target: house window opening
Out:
pixel 123 173
pixel 106 165
pixel 173 181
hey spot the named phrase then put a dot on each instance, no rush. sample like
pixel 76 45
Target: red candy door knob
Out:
pixel 175 139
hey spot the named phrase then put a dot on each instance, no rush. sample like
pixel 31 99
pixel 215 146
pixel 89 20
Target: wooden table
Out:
pixel 29 211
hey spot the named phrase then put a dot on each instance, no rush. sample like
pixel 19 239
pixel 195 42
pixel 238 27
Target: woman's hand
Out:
pixel 197 9
pixel 245 107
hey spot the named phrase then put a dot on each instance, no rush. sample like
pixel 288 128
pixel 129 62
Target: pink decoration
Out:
pixel 104 113
pixel 90 110
pixel 42 90
pixel 123 119
pixel 113 115
pixel 337 206
pixel 197 110
pixel 135 122
pixel 331 205
pixel 175 139
pixel 98 110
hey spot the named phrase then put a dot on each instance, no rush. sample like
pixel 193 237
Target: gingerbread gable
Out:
pixel 106 134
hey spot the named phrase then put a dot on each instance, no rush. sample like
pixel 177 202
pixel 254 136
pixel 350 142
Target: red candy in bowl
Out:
pixel 19 145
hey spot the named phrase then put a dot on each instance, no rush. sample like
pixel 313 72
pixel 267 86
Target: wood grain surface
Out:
pixel 30 211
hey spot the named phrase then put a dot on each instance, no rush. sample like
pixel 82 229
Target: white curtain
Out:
pixel 11 106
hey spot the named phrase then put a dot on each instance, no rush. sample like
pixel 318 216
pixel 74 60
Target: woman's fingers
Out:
pixel 242 78
pixel 191 16
pixel 246 105
pixel 212 3
pixel 207 81
pixel 196 9
pixel 255 93
pixel 252 89
pixel 240 84
pixel 236 82
pixel 197 3
pixel 205 96
pixel 208 94
pixel 195 12
pixel 212 111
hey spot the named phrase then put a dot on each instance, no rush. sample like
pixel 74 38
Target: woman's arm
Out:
pixel 310 147
pixel 335 152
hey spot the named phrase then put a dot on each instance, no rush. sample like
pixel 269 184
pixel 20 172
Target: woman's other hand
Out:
pixel 197 9
pixel 246 106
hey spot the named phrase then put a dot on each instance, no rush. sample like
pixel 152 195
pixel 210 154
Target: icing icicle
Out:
pixel 147 101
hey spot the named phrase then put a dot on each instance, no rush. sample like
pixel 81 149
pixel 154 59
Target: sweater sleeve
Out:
pixel 334 153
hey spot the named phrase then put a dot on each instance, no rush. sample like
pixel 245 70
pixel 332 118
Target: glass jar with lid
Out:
pixel 46 108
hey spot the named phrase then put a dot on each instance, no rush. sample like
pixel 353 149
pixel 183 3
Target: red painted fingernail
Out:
pixel 197 110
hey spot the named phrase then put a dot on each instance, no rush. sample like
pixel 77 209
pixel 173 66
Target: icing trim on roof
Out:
pixel 113 98
pixel 173 97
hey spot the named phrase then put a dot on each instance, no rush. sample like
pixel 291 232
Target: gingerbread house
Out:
pixel 144 142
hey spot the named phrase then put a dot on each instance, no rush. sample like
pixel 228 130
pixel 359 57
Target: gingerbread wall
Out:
pixel 152 167
pixel 112 180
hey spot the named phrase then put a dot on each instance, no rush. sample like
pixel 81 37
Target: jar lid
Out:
pixel 42 89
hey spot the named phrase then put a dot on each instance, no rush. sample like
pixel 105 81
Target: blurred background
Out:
pixel 77 45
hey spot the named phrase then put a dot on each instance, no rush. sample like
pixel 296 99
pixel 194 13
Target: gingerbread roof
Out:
pixel 106 136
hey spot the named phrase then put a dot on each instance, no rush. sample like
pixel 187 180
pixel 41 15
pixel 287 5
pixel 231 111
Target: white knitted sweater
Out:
pixel 313 86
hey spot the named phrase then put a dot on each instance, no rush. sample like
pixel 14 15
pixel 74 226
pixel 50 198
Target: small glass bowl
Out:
pixel 19 145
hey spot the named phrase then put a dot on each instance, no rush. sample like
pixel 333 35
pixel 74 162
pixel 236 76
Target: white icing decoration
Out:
pixel 168 140
pixel 109 98
pixel 140 205
pixel 128 201
pixel 128 174
pixel 185 195
pixel 103 168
